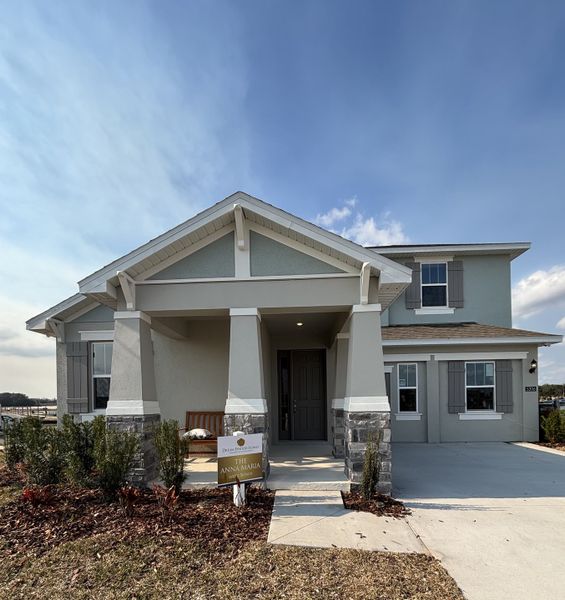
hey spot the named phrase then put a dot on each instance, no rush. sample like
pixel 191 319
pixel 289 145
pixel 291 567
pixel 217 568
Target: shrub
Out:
pixel 128 496
pixel 14 444
pixel 114 452
pixel 43 452
pixel 171 449
pixel 37 495
pixel 79 450
pixel 370 476
pixel 553 426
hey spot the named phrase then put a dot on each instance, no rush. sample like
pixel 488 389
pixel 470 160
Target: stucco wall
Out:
pixel 192 374
pixel 487 296
pixel 272 258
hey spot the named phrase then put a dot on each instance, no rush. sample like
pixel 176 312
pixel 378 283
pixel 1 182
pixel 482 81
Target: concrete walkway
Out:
pixel 493 513
pixel 318 519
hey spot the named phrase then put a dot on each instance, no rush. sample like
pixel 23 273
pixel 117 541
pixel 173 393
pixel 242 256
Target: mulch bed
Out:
pixel 558 446
pixel 379 504
pixel 69 514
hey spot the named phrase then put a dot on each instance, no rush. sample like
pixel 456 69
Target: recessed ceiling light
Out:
pixel 299 324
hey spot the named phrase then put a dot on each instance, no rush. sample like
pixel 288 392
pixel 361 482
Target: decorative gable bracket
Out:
pixel 239 218
pixel 128 287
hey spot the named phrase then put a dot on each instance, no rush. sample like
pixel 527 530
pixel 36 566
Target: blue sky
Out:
pixel 415 121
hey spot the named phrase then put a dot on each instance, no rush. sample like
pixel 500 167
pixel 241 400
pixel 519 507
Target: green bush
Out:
pixel 79 450
pixel 44 452
pixel 370 476
pixel 171 449
pixel 14 443
pixel 553 427
pixel 114 453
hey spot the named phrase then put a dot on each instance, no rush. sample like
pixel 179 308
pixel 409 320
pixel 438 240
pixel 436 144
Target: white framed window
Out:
pixel 434 284
pixel 101 361
pixel 407 388
pixel 480 386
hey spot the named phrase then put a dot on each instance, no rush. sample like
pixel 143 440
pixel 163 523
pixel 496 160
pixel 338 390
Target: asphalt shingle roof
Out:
pixel 453 331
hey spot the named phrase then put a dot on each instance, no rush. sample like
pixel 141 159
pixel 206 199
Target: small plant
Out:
pixel 79 450
pixel 128 495
pixel 370 476
pixel 553 426
pixel 114 453
pixel 171 449
pixel 167 500
pixel 14 443
pixel 36 495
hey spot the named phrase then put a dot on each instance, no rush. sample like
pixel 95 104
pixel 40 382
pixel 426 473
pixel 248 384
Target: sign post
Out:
pixel 240 460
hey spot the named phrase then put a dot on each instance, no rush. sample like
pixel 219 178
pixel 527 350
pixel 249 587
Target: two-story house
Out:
pixel 298 333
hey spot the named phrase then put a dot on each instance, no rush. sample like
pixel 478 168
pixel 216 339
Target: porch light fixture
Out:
pixel 299 324
pixel 533 366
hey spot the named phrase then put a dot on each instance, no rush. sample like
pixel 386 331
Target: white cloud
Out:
pixel 561 323
pixel 332 216
pixel 539 291
pixel 367 231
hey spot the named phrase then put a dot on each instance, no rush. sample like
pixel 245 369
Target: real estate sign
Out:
pixel 240 458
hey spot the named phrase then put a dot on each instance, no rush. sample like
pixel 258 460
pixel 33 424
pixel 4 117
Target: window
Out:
pixel 101 370
pixel 434 284
pixel 479 385
pixel 407 388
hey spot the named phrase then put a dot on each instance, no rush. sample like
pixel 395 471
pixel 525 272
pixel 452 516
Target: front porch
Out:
pixel 293 466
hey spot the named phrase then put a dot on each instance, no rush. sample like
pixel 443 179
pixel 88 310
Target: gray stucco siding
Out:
pixel 217 259
pixel 486 290
pixel 269 257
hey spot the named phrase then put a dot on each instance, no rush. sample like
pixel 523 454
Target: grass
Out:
pixel 102 567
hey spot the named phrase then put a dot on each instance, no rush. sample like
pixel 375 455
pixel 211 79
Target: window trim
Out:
pixel 99 376
pixel 407 387
pixel 423 285
pixel 493 386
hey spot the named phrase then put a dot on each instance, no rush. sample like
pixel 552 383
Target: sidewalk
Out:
pixel 318 519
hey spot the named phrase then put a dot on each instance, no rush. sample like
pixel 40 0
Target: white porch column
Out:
pixel 366 406
pixel 133 404
pixel 246 407
pixel 338 399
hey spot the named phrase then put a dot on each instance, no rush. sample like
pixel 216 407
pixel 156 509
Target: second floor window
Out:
pixel 101 371
pixel 434 284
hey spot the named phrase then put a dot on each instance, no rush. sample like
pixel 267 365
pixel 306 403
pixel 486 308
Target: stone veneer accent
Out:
pixel 250 423
pixel 338 433
pixel 358 428
pixel 145 466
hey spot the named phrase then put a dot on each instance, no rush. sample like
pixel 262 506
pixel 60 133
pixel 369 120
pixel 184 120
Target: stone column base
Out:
pixel 338 433
pixel 359 427
pixel 145 466
pixel 250 423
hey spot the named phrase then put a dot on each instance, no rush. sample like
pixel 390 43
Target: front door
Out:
pixel 302 395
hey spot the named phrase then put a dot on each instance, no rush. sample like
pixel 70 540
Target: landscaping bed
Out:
pixel 380 504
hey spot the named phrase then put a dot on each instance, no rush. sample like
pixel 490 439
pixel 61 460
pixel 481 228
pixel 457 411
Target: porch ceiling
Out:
pixel 313 324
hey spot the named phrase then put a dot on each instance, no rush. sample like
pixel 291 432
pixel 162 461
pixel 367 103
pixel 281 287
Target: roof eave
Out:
pixel 542 340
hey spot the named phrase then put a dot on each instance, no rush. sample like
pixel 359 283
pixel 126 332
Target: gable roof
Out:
pixel 220 215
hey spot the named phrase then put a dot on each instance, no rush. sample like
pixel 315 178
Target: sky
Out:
pixel 404 122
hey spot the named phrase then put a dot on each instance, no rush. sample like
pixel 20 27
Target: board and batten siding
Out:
pixel 77 377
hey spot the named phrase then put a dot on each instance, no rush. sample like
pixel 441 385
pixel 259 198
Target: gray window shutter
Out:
pixel 455 386
pixel 412 295
pixel 77 377
pixel 504 402
pixel 455 283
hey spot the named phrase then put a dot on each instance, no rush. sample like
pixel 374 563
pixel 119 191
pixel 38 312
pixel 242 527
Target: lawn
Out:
pixel 76 545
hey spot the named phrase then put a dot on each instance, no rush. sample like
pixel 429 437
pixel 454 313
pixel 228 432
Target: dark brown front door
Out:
pixel 302 401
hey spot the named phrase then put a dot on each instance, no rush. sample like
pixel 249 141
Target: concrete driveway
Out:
pixel 493 513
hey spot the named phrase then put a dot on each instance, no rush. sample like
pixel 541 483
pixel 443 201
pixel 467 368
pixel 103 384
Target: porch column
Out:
pixel 246 407
pixel 133 404
pixel 340 367
pixel 366 406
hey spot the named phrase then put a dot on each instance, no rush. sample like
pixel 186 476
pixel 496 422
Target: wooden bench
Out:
pixel 213 421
